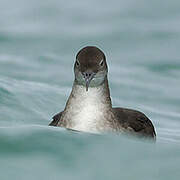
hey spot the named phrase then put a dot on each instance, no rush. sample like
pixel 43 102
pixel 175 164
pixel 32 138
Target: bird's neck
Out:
pixel 85 109
pixel 101 91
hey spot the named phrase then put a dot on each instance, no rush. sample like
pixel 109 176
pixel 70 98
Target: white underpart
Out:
pixel 86 109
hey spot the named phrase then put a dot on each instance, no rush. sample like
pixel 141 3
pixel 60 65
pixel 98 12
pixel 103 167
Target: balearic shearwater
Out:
pixel 89 107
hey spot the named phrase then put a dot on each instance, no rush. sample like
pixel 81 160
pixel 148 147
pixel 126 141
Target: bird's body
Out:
pixel 89 107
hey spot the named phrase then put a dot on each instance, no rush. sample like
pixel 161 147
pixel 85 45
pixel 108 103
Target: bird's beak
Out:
pixel 88 76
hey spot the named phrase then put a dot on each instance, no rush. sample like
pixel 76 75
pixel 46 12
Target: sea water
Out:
pixel 38 44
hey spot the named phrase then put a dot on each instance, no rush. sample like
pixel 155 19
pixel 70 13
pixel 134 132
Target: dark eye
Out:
pixel 77 63
pixel 101 63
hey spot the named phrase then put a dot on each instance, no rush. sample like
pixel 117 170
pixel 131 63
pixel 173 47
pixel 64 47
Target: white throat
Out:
pixel 86 110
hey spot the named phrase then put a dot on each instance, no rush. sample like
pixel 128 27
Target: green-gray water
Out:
pixel 38 44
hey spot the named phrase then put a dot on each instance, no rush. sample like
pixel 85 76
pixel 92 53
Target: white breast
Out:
pixel 86 109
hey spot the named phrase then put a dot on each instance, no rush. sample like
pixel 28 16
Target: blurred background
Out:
pixel 38 44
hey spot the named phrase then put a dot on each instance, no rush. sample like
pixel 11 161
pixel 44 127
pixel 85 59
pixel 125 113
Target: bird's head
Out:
pixel 90 67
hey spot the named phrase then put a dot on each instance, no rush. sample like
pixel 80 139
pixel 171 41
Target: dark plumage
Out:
pixel 91 74
pixel 55 120
pixel 136 120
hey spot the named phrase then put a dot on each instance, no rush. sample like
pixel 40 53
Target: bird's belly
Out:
pixel 87 111
pixel 88 119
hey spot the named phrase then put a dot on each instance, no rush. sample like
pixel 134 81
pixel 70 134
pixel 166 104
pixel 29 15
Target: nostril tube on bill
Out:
pixel 88 76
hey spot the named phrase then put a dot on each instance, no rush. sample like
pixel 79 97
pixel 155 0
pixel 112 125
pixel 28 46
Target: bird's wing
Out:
pixel 135 121
pixel 56 119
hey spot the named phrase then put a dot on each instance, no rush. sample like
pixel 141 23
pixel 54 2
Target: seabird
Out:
pixel 89 107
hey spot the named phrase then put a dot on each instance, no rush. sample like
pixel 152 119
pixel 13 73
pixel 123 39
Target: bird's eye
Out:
pixel 101 63
pixel 77 63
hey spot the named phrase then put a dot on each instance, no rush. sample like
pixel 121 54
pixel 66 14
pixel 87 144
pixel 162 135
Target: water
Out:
pixel 38 44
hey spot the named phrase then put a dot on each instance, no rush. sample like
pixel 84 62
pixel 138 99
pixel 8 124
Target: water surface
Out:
pixel 38 44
